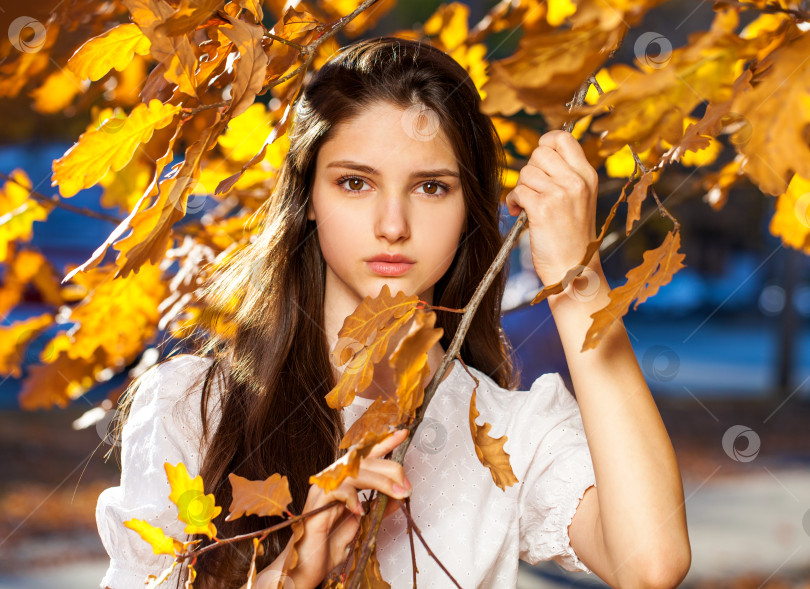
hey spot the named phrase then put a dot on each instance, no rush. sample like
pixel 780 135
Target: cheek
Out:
pixel 335 233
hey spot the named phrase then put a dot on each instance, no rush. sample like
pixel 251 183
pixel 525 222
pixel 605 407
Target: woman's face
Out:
pixel 386 184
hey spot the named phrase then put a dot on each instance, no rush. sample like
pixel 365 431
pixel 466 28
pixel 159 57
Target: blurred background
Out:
pixel 725 348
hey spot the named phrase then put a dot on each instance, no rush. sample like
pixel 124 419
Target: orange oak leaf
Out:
pixel 249 67
pixel 409 361
pixel 265 498
pixel 490 450
pixel 363 340
pixel 643 281
pixel 371 575
pixel 637 197
pixel 332 476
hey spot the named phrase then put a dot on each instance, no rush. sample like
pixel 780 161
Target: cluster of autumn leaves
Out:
pixel 162 77
pixel 364 341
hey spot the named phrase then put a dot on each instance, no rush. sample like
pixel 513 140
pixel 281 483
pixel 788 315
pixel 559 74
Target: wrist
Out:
pixel 269 577
pixel 588 291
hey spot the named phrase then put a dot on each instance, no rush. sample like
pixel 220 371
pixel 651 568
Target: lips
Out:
pixel 391 259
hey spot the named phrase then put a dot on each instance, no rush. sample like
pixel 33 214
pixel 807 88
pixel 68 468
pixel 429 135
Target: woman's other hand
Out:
pixel 327 534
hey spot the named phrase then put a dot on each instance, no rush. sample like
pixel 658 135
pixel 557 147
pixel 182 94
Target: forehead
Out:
pixel 391 136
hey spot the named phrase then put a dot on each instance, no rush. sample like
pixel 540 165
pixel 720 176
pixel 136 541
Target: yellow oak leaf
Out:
pixel 18 211
pixel 111 146
pixel 161 543
pixel 195 508
pixel 112 50
pixel 791 220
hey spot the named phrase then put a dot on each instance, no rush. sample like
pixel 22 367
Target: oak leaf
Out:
pixel 195 508
pixel 112 50
pixel 643 281
pixel 264 498
pixel 110 147
pixel 363 340
pixel 490 450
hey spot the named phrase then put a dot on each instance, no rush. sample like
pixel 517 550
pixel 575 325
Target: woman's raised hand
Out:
pixel 327 534
pixel 558 188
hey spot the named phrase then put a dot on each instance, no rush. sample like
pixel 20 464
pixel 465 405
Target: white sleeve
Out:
pixel 151 436
pixel 557 477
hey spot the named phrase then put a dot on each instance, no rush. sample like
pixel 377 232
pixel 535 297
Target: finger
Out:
pixel 369 479
pixel 523 196
pixel 349 496
pixel 387 467
pixel 567 145
pixel 385 446
pixel 554 165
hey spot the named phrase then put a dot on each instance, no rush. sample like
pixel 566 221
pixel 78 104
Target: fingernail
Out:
pixel 399 489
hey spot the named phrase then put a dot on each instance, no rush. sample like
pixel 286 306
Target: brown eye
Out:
pixel 438 189
pixel 355 183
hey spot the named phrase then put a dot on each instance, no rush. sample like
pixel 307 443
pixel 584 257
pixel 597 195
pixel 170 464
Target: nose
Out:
pixel 392 218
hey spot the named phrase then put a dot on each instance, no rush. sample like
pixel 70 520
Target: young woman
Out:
pixel 393 177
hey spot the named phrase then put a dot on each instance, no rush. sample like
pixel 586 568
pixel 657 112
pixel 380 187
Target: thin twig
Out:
pixel 264 532
pixel 56 201
pixel 413 525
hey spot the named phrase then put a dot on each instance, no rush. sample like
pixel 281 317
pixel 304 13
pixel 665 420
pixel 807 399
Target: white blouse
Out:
pixel 478 531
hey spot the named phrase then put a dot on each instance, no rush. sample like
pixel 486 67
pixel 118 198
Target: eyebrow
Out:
pixel 369 170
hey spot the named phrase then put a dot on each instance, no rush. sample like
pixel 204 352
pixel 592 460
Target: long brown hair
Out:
pixel 275 359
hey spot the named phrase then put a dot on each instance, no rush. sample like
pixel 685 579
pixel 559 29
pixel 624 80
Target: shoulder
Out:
pixel 547 397
pixel 172 389
pixel 526 417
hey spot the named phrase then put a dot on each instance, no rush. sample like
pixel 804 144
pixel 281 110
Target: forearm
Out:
pixel 640 491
